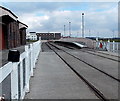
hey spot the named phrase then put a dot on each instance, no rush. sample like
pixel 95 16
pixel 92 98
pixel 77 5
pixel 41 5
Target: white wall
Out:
pixel 31 36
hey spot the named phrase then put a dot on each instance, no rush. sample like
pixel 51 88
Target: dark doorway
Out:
pixel 2 36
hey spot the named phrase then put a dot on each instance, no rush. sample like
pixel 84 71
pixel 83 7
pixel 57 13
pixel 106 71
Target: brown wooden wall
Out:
pixel 2 36
pixel 13 34
pixel 22 36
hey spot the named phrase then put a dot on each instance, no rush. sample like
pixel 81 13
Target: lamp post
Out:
pixel 69 29
pixel 64 30
pixel 83 25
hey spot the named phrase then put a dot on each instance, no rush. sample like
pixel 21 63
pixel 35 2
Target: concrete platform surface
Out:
pixel 110 53
pixel 53 79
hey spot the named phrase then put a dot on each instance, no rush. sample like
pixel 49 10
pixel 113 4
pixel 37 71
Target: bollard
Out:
pixel 13 56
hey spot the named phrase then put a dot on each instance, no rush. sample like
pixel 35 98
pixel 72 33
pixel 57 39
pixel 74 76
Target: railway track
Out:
pixel 100 54
pixel 88 64
pixel 94 89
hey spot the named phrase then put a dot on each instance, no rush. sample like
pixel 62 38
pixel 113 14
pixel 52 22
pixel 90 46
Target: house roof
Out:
pixel 22 25
pixel 4 11
pixel 6 19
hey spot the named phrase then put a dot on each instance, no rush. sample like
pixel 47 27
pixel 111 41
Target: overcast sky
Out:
pixel 101 18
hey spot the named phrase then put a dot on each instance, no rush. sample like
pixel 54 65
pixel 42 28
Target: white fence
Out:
pixel 109 46
pixel 113 46
pixel 21 71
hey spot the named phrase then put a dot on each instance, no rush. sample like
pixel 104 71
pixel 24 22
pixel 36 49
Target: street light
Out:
pixel 83 25
pixel 64 30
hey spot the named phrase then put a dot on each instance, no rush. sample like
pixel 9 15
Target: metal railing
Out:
pixel 108 46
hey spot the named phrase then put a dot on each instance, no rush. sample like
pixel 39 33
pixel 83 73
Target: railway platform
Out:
pixel 110 53
pixel 67 72
pixel 53 79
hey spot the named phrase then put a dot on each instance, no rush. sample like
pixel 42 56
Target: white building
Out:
pixel 31 36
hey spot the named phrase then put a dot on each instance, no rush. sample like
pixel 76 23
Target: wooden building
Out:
pixel 12 31
pixel 22 31
pixel 49 36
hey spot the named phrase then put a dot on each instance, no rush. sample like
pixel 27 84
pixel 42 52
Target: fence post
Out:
pixel 113 46
pixel 117 47
pixel 39 49
pixel 108 45
pixel 14 81
pixel 27 68
pixel 34 51
pixel 97 43
pixel 32 59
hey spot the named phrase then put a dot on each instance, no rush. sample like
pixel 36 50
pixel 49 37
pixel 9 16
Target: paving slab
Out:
pixel 53 79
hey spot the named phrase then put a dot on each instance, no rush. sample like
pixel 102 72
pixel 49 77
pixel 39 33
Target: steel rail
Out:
pixel 97 54
pixel 102 53
pixel 92 87
pixel 88 64
pixel 101 56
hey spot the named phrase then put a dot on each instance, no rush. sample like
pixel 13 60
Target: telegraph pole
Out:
pixel 70 29
pixel 64 30
pixel 83 25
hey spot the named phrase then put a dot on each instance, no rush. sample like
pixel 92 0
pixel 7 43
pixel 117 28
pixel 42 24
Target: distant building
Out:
pixel 57 35
pixel 49 35
pixel 31 36
pixel 12 31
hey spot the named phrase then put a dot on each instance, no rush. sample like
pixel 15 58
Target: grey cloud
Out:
pixel 28 7
pixel 94 20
